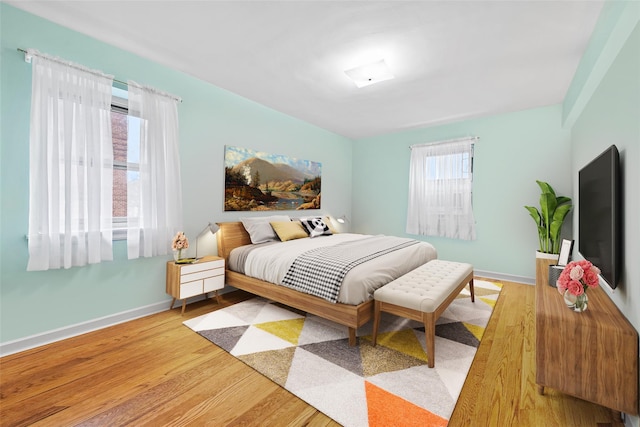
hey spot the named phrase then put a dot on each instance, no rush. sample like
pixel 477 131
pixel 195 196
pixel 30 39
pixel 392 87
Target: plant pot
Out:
pixel 543 261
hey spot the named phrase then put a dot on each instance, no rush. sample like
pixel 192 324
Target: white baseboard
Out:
pixel 506 277
pixel 33 341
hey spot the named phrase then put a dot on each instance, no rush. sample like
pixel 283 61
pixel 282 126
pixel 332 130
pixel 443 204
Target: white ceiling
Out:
pixel 452 60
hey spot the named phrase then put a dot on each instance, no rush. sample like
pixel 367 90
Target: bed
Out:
pixel 352 313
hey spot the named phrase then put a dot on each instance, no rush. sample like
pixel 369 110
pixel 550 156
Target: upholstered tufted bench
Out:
pixel 422 295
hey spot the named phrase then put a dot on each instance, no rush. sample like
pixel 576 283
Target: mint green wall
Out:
pixel 617 19
pixel 609 113
pixel 612 116
pixel 514 151
pixel 36 302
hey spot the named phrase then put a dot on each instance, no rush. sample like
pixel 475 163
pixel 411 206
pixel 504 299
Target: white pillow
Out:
pixel 259 228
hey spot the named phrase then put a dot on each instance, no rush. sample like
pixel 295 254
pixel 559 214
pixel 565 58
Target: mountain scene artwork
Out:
pixel 256 180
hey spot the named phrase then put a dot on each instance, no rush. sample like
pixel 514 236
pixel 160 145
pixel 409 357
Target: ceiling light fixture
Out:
pixel 369 74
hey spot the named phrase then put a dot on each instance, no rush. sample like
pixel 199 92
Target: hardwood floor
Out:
pixel 155 371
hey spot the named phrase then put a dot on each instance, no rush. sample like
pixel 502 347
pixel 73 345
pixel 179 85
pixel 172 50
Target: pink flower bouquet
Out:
pixel 179 243
pixel 575 279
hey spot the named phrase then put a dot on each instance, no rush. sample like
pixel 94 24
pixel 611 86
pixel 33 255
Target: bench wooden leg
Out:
pixel 429 320
pixel 473 296
pixel 376 321
pixel 352 337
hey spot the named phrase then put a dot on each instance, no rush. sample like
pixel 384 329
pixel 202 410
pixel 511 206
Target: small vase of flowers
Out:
pixel 575 279
pixel 179 243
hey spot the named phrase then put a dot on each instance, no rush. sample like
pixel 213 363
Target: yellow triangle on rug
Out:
pixel 476 330
pixel 404 341
pixel 288 330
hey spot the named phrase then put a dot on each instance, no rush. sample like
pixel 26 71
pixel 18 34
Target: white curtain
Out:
pixel 440 190
pixel 71 165
pixel 154 202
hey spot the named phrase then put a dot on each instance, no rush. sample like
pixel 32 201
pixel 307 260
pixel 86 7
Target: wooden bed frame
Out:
pixel 233 234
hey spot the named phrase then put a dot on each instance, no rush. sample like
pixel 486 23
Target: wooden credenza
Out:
pixel 591 355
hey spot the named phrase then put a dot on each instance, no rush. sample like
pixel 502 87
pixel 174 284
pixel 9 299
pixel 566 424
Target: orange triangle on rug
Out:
pixel 386 410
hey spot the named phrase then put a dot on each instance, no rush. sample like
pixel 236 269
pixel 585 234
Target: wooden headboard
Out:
pixel 230 236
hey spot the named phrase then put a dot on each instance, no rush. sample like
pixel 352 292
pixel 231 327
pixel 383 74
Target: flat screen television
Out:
pixel 600 214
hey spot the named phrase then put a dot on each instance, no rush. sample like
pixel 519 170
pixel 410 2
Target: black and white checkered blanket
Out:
pixel 320 271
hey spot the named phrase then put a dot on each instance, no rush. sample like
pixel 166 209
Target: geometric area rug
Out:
pixel 386 385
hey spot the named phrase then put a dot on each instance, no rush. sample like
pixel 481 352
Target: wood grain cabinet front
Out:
pixel 591 355
pixel 189 280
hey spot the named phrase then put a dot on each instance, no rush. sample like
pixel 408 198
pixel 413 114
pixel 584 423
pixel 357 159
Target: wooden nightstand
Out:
pixel 188 280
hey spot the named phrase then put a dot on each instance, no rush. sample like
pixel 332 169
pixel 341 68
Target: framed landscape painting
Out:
pixel 256 180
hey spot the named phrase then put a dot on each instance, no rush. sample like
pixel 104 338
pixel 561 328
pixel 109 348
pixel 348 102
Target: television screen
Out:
pixel 599 214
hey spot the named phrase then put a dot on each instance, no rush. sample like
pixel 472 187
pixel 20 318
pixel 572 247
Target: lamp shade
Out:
pixel 342 219
pixel 212 228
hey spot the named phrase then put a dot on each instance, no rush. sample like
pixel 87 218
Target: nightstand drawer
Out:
pixel 185 278
pixel 190 289
pixel 201 266
pixel 214 283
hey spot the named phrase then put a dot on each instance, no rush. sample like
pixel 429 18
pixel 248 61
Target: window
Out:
pixel 453 171
pixel 449 166
pixel 440 190
pixel 78 201
pixel 125 132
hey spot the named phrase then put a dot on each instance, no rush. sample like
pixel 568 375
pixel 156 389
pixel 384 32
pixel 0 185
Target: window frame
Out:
pixel 120 105
pixel 466 174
